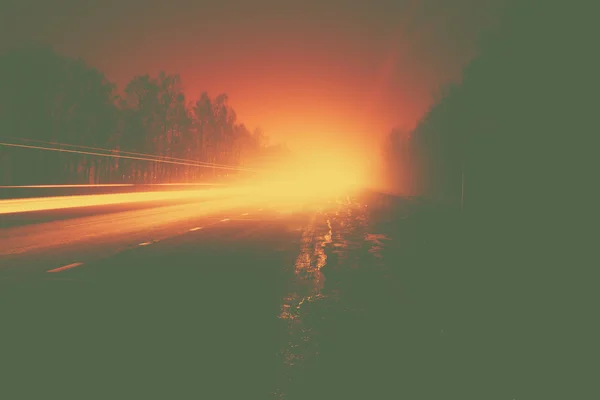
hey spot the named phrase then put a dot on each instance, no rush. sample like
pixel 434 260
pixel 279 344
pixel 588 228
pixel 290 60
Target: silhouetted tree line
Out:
pixel 46 97
pixel 509 121
pixel 518 122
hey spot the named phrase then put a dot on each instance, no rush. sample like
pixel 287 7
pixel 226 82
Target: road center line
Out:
pixel 65 267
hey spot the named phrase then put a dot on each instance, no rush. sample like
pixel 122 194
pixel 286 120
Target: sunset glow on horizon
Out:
pixel 295 72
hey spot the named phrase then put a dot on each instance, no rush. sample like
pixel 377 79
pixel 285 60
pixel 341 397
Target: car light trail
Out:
pixel 63 268
pixel 102 185
pixel 65 186
pixel 295 184
pixel 64 202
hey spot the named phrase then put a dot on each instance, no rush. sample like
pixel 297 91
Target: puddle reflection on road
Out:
pixel 336 239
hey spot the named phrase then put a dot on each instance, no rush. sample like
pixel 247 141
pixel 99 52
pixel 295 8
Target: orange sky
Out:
pixel 304 72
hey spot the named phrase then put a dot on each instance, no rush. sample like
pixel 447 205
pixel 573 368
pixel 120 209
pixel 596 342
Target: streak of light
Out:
pixel 112 151
pixel 65 267
pixel 186 184
pixel 63 202
pixel 65 186
pixel 225 220
pixel 195 229
pixel 289 189
pixel 60 186
pixel 245 214
pixel 130 225
pixel 194 164
pixel 145 244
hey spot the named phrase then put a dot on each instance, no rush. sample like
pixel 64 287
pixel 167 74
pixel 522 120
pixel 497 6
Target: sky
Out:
pixel 306 72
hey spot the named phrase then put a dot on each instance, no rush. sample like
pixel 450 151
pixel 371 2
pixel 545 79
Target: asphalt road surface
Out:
pixel 221 300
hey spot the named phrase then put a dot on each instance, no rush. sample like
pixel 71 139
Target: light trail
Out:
pixel 131 226
pixel 64 202
pixel 65 267
pixel 185 184
pixel 127 157
pixel 274 194
pixel 61 186
pixel 312 179
pixel 124 152
pixel 65 186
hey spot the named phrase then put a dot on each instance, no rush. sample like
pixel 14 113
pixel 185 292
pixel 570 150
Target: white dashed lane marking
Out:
pixel 65 267
pixel 77 264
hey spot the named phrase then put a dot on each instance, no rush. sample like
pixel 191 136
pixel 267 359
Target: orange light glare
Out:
pixel 63 202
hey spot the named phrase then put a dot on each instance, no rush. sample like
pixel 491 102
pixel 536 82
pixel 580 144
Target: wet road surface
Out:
pixel 336 301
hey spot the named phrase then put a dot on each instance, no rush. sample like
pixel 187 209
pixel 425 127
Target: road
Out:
pixel 219 299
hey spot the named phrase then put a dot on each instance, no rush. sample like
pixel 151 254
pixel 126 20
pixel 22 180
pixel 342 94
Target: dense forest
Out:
pixel 518 125
pixel 506 125
pixel 49 100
